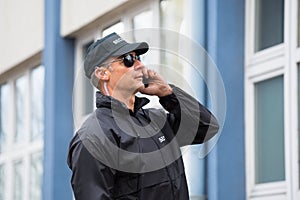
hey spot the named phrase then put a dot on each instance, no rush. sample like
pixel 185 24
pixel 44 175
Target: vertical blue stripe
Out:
pixel 212 158
pixel 196 172
pixel 225 44
pixel 58 59
pixel 198 35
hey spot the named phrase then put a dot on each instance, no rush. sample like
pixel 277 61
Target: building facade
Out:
pixel 249 77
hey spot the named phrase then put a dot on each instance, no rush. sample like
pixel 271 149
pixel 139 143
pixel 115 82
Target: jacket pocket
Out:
pixel 126 186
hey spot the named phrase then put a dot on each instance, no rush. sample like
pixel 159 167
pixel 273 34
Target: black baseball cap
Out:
pixel 109 46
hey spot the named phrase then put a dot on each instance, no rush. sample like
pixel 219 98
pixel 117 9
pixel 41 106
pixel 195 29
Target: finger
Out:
pixel 152 73
pixel 145 72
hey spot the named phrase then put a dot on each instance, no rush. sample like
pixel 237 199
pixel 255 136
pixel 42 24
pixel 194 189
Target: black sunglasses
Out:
pixel 127 59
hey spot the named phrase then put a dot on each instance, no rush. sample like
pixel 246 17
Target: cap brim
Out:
pixel 139 48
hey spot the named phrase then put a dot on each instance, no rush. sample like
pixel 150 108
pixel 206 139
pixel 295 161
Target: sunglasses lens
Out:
pixel 137 57
pixel 129 60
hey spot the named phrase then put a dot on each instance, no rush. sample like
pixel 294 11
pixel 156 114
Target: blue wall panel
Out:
pixel 196 171
pixel 225 44
pixel 58 59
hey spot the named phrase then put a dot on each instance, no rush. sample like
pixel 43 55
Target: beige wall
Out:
pixel 22 25
pixel 21 31
pixel 78 13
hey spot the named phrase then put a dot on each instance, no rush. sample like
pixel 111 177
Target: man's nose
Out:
pixel 138 65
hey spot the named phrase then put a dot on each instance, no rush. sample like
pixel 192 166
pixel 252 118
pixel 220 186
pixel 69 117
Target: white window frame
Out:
pixel 15 152
pixel 280 59
pixel 295 127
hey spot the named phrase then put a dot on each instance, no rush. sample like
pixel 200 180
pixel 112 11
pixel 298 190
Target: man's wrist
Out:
pixel 165 91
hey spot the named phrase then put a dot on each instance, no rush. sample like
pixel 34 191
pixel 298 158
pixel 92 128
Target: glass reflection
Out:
pixel 298 23
pixel 2 182
pixel 37 98
pixel 269 23
pixel 20 94
pixel 175 15
pixel 18 181
pixel 3 115
pixel 299 124
pixel 269 131
pixel 143 20
pixel 88 89
pixel 140 21
pixel 172 13
pixel 118 28
pixel 36 170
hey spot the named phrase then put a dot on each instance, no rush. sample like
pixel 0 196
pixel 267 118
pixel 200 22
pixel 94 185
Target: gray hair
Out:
pixel 94 79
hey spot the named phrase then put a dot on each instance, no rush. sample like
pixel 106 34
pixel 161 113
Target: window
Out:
pixel 36 169
pixel 4 93
pixel 298 126
pixel 21 136
pixel 88 91
pixel 2 182
pixel 298 23
pixel 272 110
pixel 118 28
pixel 143 20
pixel 18 180
pixel 83 92
pixel 171 13
pixel 20 105
pixel 269 23
pixel 37 113
pixel 269 131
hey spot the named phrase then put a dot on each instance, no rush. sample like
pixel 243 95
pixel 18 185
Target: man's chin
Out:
pixel 141 88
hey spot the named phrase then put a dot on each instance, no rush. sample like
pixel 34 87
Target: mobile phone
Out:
pixel 146 82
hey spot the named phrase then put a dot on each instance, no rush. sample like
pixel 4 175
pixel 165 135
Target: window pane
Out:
pixel 3 115
pixel 88 89
pixel 269 131
pixel 174 16
pixel 299 122
pixel 140 21
pixel 269 23
pixel 118 28
pixel 172 13
pixel 298 23
pixel 143 20
pixel 37 98
pixel 20 105
pixel 18 181
pixel 2 182
pixel 36 170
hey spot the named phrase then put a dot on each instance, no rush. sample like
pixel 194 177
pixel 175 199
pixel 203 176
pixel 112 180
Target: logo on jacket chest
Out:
pixel 162 139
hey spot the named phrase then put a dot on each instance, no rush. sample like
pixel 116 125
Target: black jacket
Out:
pixel 120 154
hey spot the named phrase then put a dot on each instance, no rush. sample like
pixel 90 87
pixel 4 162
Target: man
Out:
pixel 123 151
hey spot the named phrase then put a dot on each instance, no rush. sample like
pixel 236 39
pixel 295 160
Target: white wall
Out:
pixel 21 31
pixel 78 13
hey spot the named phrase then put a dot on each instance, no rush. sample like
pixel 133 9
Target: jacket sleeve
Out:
pixel 190 120
pixel 91 180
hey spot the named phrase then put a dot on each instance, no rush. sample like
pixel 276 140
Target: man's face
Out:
pixel 125 78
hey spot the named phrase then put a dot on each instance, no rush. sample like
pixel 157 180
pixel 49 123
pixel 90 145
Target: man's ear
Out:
pixel 102 73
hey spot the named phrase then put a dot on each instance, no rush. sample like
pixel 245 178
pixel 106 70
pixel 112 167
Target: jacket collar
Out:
pixel 108 101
